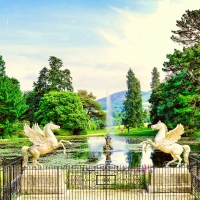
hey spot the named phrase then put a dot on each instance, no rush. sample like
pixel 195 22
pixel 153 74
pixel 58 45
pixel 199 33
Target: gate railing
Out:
pixel 194 168
pixel 10 179
pixel 87 181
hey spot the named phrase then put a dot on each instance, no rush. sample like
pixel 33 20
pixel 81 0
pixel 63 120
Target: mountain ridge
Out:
pixel 120 96
pixel 117 99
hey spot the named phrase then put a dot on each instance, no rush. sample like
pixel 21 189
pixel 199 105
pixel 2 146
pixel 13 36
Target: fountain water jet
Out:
pixel 109 121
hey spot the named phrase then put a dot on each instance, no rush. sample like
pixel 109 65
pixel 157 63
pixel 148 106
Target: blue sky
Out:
pixel 98 41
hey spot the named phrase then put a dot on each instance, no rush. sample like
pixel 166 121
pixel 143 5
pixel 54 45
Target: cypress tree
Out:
pixel 155 78
pixel 133 103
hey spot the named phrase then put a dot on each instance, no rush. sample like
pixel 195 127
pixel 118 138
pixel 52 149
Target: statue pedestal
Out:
pixel 169 180
pixel 39 183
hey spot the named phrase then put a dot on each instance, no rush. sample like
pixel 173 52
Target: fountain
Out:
pixel 109 125
pixel 108 145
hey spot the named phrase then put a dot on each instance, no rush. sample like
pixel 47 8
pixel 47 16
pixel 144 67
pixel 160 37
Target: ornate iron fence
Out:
pixel 106 182
pixel 195 173
pixel 99 182
pixel 10 179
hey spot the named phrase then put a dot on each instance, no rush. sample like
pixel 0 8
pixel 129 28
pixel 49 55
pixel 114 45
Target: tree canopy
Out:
pixel 133 103
pixel 12 103
pixel 64 109
pixel 177 100
pixel 189 28
pixel 92 107
pixel 187 60
pixel 53 79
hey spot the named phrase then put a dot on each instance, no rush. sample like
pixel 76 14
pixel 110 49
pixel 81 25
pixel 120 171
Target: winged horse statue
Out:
pixel 43 142
pixel 167 142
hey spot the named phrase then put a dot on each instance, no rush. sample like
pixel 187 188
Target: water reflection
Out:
pixel 120 155
pixel 126 151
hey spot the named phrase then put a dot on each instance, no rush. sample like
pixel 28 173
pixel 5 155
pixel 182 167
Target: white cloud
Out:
pixel 139 41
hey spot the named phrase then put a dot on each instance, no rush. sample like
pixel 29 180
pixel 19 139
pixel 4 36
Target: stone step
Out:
pixel 169 189
pixel 110 195
pixel 168 196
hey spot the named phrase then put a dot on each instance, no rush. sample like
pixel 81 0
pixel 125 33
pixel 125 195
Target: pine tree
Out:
pixel 155 78
pixel 133 103
pixel 189 32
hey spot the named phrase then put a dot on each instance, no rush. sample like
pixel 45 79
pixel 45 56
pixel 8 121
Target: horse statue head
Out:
pixel 51 126
pixel 159 126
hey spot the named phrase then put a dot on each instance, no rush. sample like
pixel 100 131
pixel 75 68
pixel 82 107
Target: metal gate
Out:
pixel 105 182
pixel 80 182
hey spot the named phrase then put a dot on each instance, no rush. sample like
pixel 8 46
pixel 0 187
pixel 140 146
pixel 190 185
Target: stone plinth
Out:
pixel 172 180
pixel 43 181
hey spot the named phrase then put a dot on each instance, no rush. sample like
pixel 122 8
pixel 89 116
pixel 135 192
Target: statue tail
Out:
pixel 25 155
pixel 186 152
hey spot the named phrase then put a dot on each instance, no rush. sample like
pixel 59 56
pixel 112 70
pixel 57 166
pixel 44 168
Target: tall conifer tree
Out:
pixel 155 78
pixel 133 103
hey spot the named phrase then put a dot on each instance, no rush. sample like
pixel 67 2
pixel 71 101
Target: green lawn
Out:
pixel 118 132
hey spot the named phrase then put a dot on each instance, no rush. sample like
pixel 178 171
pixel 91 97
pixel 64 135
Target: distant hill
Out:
pixel 117 99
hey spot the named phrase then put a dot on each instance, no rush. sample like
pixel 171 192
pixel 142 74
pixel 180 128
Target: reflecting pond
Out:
pixel 89 150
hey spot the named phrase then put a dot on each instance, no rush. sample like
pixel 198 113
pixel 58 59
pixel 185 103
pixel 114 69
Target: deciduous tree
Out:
pixel 64 109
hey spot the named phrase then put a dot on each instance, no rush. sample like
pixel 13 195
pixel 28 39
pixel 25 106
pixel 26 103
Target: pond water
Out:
pixel 120 155
pixel 89 150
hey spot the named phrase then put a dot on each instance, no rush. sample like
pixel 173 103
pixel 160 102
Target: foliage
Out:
pixel 177 100
pixel 53 79
pixel 15 130
pixel 2 67
pixel 92 107
pixel 41 87
pixel 64 109
pixel 189 32
pixel 30 101
pixel 187 60
pixel 146 116
pixel 155 78
pixel 133 103
pixel 118 118
pixel 12 103
pixel 156 99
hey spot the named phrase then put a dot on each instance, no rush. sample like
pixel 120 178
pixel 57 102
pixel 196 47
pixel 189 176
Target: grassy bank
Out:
pixel 64 134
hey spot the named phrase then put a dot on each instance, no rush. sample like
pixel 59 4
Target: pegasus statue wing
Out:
pixel 36 128
pixel 174 135
pixel 35 137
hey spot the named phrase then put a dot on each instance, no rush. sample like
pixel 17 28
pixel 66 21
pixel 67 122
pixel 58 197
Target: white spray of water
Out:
pixel 109 121
pixel 146 160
